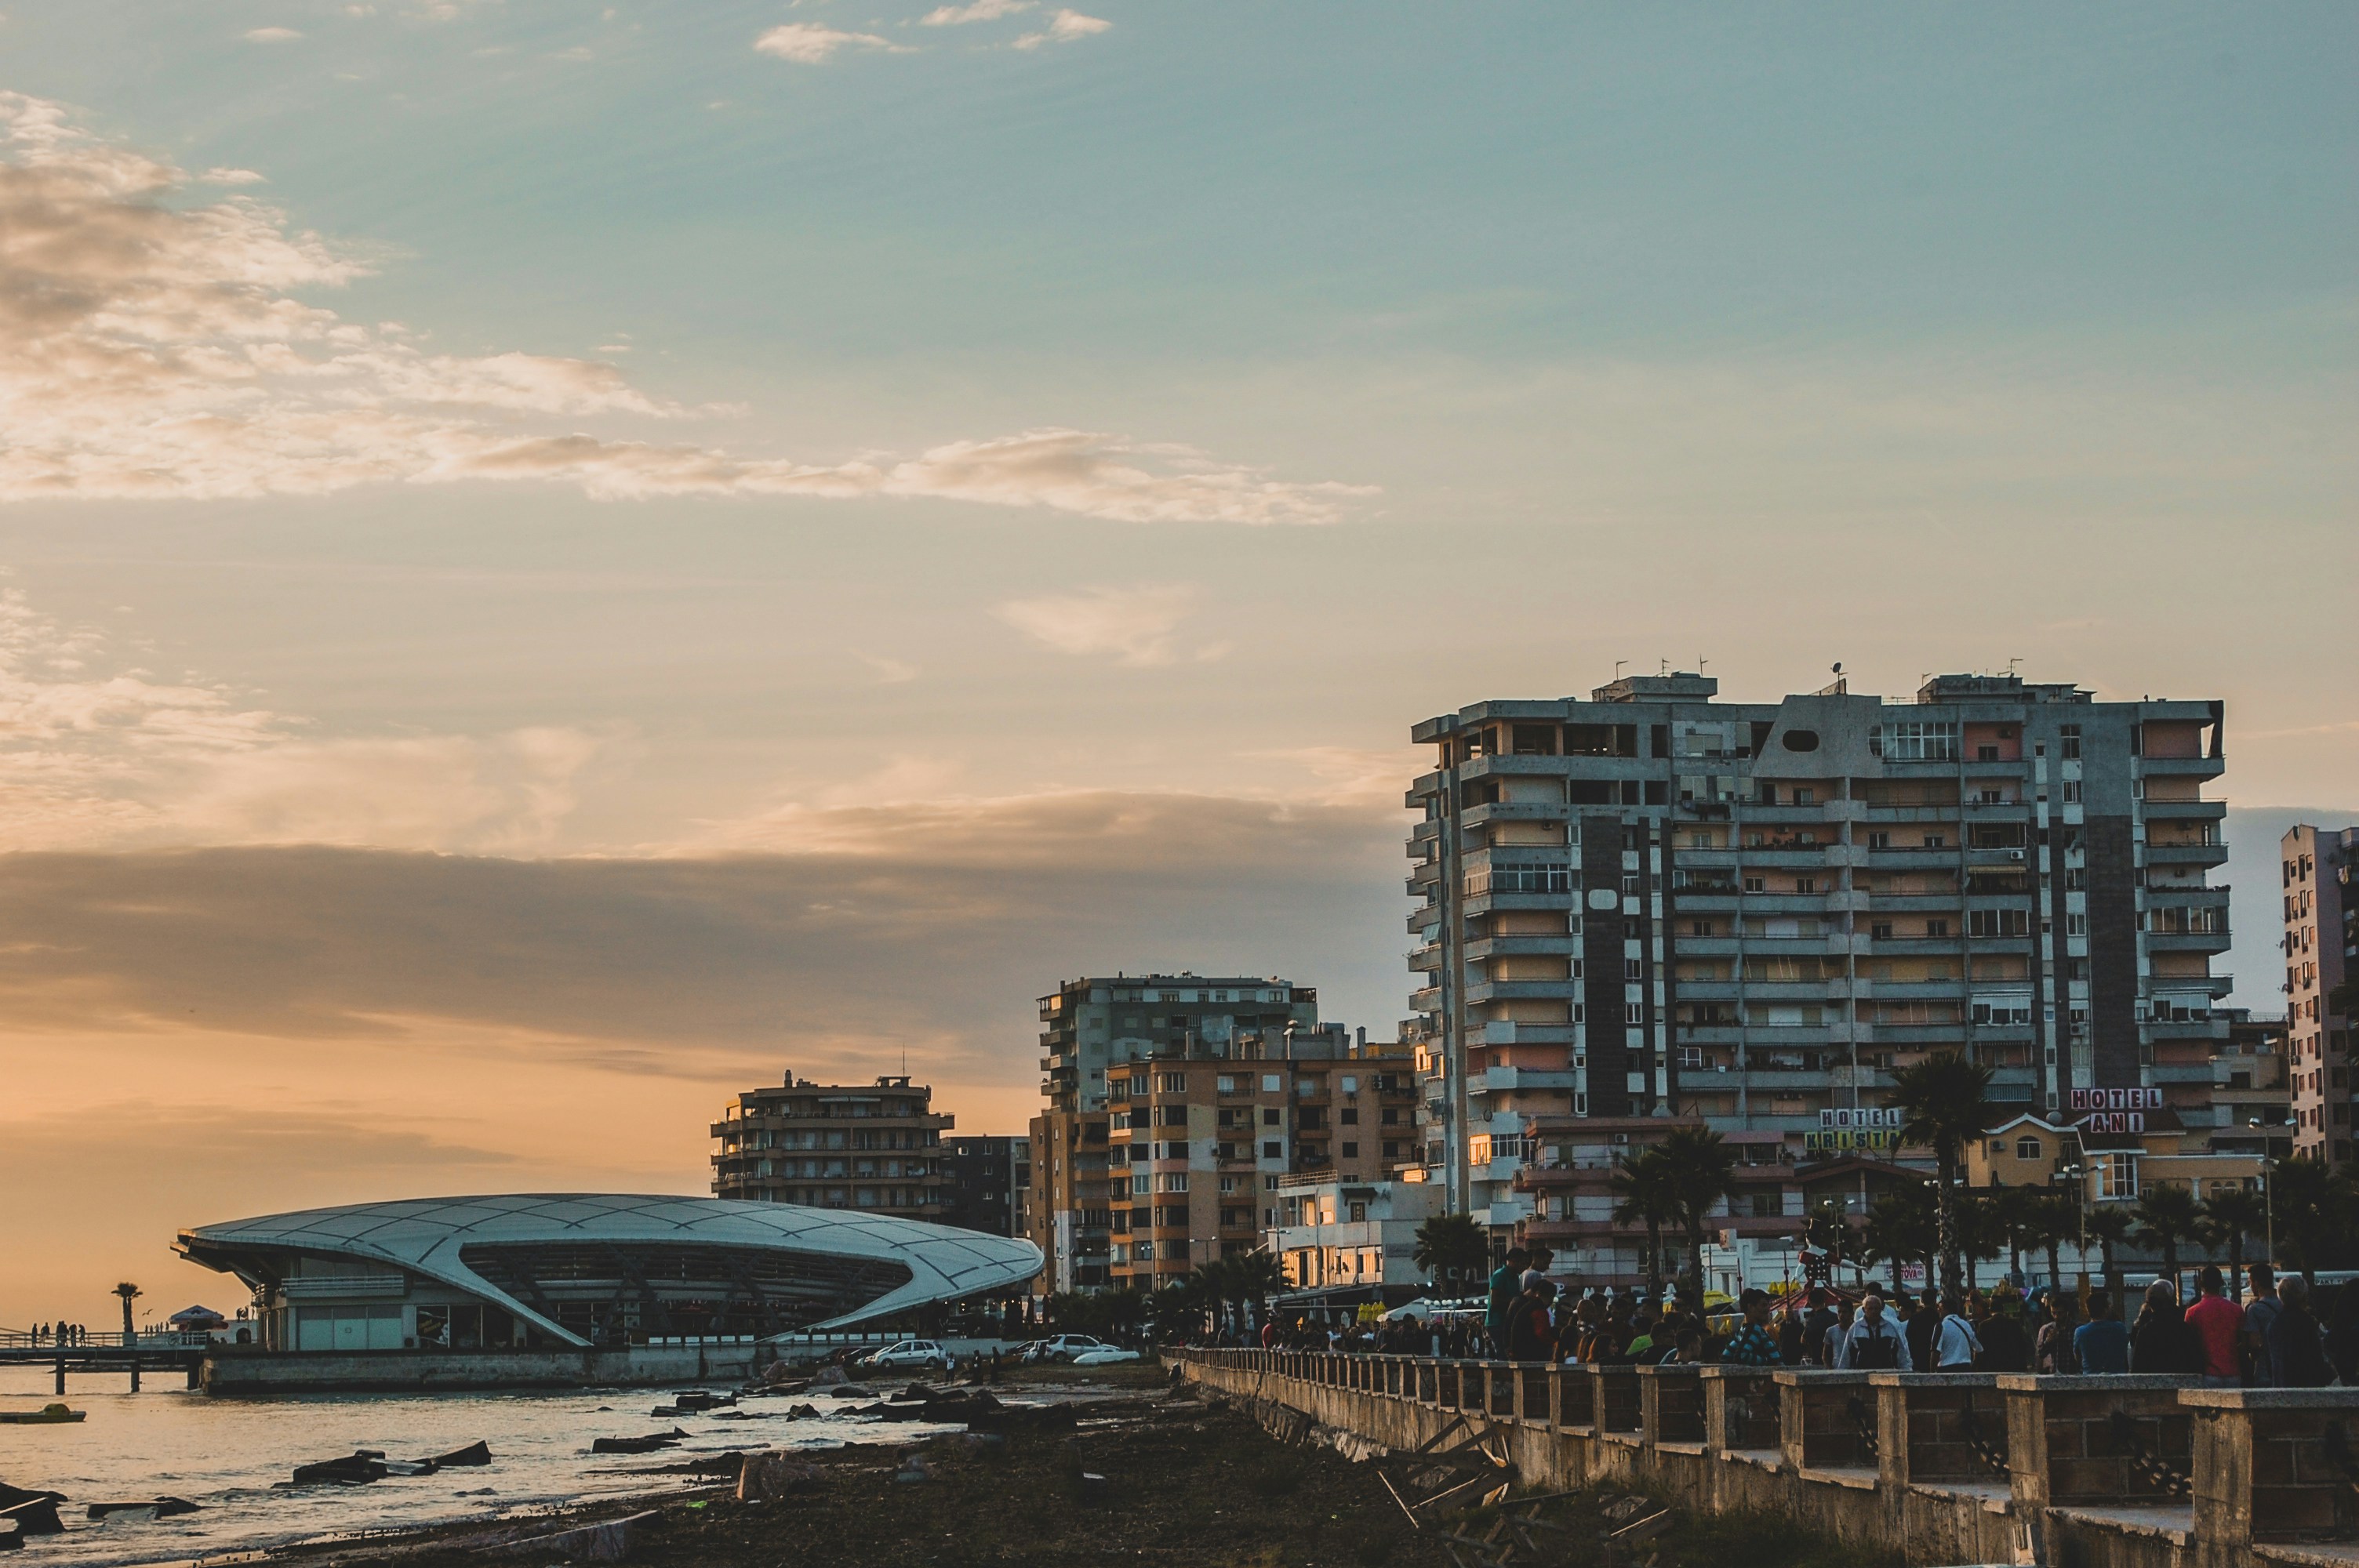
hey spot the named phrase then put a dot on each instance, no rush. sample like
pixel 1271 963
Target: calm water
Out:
pixel 223 1453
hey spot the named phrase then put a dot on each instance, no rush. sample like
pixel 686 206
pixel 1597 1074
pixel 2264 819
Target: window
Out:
pixel 1635 1012
pixel 1171 1083
pixel 1806 884
pixel 2118 1176
pixel 1272 1151
pixel 1634 969
pixel 1269 1083
pixel 1175 1180
pixel 1351 1150
pixel 1228 1084
pixel 2071 792
pixel 1881 930
pixel 1937 928
pixel 1348 1116
pixel 1915 740
pixel 1936 841
pixel 2026 1148
pixel 1805 796
pixel 1700 928
pixel 1801 740
pixel 1269 1117
pixel 1879 841
pixel 1755 884
pixel 2068 738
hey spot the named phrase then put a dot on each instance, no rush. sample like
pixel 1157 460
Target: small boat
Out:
pixel 47 1415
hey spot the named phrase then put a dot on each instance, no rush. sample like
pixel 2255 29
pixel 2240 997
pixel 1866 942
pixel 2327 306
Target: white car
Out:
pixel 921 1352
pixel 1066 1347
pixel 1104 1356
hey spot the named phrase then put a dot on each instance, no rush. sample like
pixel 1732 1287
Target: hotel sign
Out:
pixel 2114 1110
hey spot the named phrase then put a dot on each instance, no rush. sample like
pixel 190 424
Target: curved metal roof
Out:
pixel 425 1235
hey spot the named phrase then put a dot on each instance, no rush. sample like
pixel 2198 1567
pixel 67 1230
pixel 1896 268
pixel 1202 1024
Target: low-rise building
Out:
pixel 1352 1237
pixel 875 1147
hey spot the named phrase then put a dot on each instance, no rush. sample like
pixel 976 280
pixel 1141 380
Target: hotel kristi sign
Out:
pixel 2114 1110
pixel 1872 1127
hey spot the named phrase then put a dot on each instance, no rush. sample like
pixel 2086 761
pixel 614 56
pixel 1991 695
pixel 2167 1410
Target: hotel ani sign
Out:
pixel 2114 1110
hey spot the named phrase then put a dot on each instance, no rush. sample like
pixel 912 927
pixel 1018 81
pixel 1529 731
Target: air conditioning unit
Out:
pixel 1621 1138
pixel 2014 854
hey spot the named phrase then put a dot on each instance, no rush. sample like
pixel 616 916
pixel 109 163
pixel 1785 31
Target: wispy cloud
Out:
pixel 979 11
pixel 98 751
pixel 150 348
pixel 811 43
pixel 1138 626
pixel 271 35
pixel 1064 27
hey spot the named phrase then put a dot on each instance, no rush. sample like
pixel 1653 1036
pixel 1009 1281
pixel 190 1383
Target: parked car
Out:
pixel 909 1353
pixel 1064 1347
pixel 1104 1356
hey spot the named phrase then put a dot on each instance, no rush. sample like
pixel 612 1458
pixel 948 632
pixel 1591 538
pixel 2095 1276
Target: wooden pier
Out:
pixel 113 1354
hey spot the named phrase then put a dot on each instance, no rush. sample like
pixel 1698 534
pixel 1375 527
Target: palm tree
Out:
pixel 1698 1172
pixel 2056 1219
pixel 2169 1214
pixel 2021 1213
pixel 129 1292
pixel 1209 1286
pixel 1644 1184
pixel 1828 1231
pixel 1944 1102
pixel 1254 1277
pixel 1451 1247
pixel 2108 1225
pixel 1902 1228
pixel 2230 1215
pixel 2315 1214
pixel 1983 1233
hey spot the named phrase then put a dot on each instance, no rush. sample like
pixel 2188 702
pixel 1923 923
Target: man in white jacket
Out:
pixel 1874 1343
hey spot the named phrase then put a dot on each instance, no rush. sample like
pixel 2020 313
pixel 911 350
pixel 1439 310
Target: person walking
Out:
pixel 2160 1341
pixel 1873 1344
pixel 2102 1343
pixel 1752 1345
pixel 2215 1323
pixel 2297 1347
pixel 1923 1326
pixel 1955 1343
pixel 2260 1312
pixel 1507 1284
pixel 1831 1346
pixel 1817 1324
pixel 2006 1334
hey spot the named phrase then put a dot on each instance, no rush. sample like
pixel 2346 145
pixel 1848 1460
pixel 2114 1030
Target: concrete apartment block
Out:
pixel 872 1147
pixel 1651 904
pixel 2322 947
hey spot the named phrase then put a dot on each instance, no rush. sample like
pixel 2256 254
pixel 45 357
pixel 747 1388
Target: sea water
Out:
pixel 224 1454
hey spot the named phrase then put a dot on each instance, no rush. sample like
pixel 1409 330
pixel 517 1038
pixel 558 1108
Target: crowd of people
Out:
pixel 61 1333
pixel 2274 1336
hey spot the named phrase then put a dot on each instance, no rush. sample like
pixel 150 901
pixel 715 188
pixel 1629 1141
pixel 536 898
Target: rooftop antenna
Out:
pixel 1664 666
pixel 1617 668
pixel 2012 663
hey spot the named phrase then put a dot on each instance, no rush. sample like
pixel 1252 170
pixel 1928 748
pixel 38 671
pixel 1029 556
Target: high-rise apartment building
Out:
pixel 1096 1033
pixel 2321 948
pixel 875 1147
pixel 1651 904
pixel 985 1180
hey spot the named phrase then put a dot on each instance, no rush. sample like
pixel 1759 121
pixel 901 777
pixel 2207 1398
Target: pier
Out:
pixel 2122 1472
pixel 114 1354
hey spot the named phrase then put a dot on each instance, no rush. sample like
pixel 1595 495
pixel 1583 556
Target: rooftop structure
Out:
pixel 2321 948
pixel 558 1269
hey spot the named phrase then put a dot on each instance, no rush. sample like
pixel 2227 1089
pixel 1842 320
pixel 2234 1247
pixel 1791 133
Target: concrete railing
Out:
pixel 2130 1471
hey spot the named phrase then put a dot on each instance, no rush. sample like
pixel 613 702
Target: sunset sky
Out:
pixel 564 559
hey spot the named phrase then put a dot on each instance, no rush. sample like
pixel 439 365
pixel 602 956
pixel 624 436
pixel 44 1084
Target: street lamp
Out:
pixel 2268 1188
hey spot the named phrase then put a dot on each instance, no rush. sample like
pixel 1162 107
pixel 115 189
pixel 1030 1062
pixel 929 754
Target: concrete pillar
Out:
pixel 1817 1427
pixel 1671 1405
pixel 1740 1407
pixel 1929 1425
pixel 2060 1446
pixel 2272 1466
